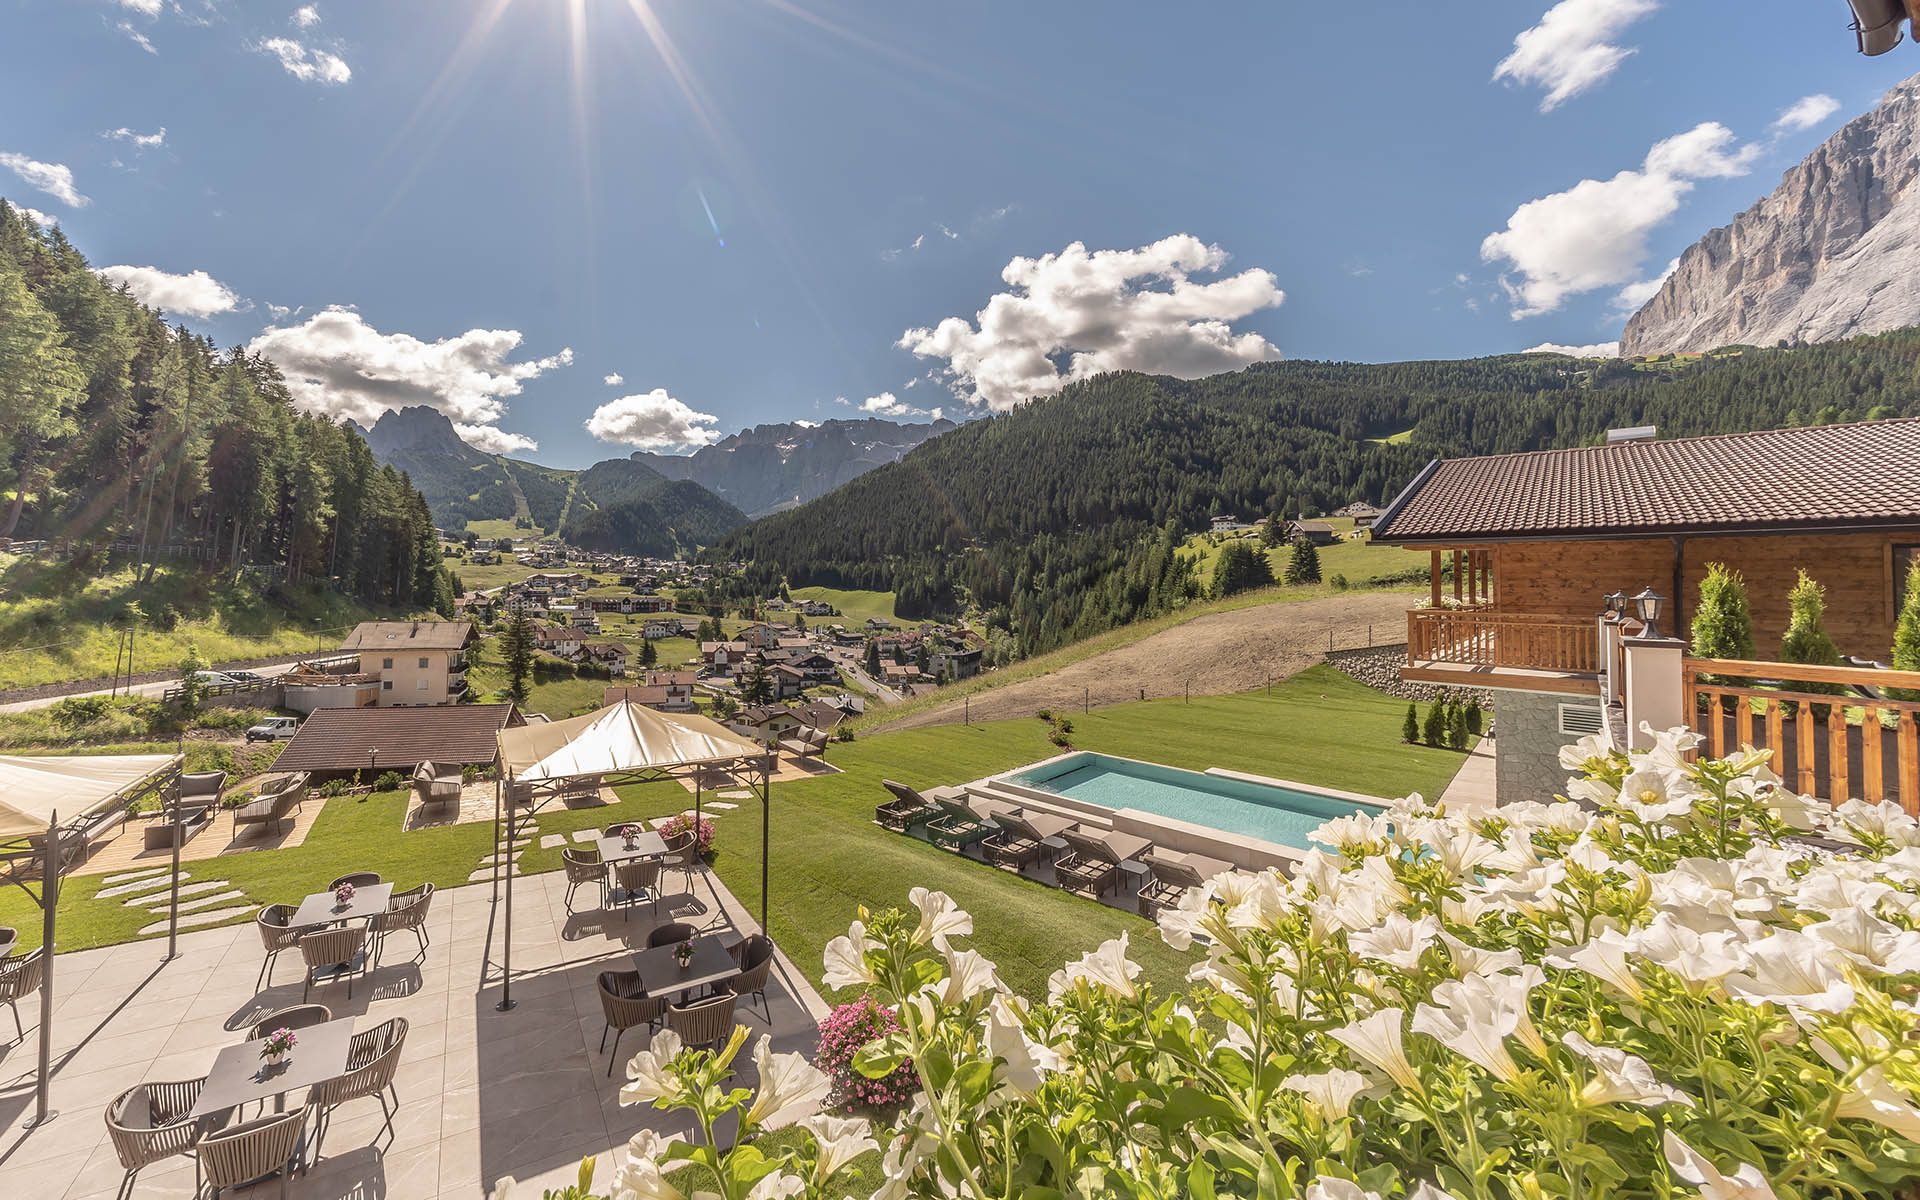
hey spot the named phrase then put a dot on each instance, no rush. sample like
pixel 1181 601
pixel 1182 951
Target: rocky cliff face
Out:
pixel 771 467
pixel 1833 252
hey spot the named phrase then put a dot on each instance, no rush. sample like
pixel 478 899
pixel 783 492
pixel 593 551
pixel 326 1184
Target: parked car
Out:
pixel 214 679
pixel 273 729
pixel 247 677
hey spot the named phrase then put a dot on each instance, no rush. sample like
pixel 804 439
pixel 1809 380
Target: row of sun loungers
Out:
pixel 1017 839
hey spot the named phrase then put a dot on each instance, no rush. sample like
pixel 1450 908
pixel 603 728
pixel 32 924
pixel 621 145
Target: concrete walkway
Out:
pixel 483 1093
pixel 1472 789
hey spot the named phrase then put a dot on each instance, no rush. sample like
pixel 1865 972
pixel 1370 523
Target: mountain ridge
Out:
pixel 777 465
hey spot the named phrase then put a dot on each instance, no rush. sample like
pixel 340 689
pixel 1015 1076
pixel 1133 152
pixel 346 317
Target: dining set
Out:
pixel 625 864
pixel 342 932
pixel 689 982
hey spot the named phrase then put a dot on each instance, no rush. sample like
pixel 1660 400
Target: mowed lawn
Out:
pixel 829 858
pixel 855 607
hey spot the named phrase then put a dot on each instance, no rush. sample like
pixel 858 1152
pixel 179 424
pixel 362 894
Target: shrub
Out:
pixel 333 787
pixel 1906 631
pixel 1722 621
pixel 843 734
pixel 1338 582
pixel 847 1030
pixel 1239 567
pixel 1476 719
pixel 1410 728
pixel 678 824
pixel 1434 731
pixel 1806 640
pixel 78 712
pixel 388 781
pixel 1457 726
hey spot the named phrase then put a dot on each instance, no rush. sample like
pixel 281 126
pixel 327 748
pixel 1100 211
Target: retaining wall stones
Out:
pixel 1379 668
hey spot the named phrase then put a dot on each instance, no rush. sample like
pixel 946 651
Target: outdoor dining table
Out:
pixel 647 845
pixel 660 975
pixel 240 1076
pixel 321 908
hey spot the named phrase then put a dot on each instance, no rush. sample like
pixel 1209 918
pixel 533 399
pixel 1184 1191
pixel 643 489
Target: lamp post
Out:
pixel 1648 603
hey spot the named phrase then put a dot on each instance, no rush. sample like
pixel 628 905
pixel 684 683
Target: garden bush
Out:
pixel 847 1030
pixel 679 823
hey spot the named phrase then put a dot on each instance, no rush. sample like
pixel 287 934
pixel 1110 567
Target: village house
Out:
pixel 561 641
pixel 1319 533
pixel 817 667
pixel 1566 581
pixel 417 662
pixel 1227 523
pixel 720 658
pixel 789 683
pixel 608 656
pixel 817 608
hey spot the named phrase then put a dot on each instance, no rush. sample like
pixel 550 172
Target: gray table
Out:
pixel 368 902
pixel 660 975
pixel 240 1076
pixel 648 845
pixel 8 940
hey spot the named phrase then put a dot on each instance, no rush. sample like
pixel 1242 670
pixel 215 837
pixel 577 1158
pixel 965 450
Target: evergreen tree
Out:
pixel 1722 621
pixel 1806 640
pixel 757 687
pixel 872 663
pixel 1239 567
pixel 1434 731
pixel 1457 727
pixel 516 649
pixel 1906 631
pixel 40 383
pixel 1476 719
pixel 1410 728
pixel 1303 563
pixel 649 655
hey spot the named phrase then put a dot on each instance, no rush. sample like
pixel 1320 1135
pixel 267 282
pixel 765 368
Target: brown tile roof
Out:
pixel 338 739
pixel 1862 474
pixel 409 635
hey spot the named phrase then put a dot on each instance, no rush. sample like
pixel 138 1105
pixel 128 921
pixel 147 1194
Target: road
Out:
pixel 850 664
pixel 154 689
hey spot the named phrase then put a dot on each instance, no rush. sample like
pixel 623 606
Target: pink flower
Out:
pixel 848 1028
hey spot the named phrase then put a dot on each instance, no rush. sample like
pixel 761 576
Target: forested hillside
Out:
pixel 1058 517
pixel 628 507
pixel 115 427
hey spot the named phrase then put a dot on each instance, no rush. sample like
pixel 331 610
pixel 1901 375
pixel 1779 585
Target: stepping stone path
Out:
pixel 722 805
pixel 586 835
pixel 163 896
pixel 211 916
pixel 226 897
pixel 511 857
pixel 734 794
pixel 130 876
pixel 139 885
pixel 552 841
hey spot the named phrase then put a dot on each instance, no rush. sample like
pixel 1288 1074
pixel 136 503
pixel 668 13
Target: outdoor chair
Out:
pixel 149 1123
pixel 907 809
pixel 277 933
pixel 1175 874
pixel 957 826
pixel 358 879
pixel 1017 843
pixel 294 1016
pixel 434 784
pixel 683 850
pixel 635 877
pixel 671 934
pixel 584 868
pixel 406 913
pixel 240 1154
pixel 372 1059
pixel 805 743
pixel 271 807
pixel 626 1005
pixel 340 950
pixel 19 978
pixel 199 790
pixel 1092 864
pixel 755 956
pixel 706 1022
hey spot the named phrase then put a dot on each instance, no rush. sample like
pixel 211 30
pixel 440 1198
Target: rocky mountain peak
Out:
pixel 417 429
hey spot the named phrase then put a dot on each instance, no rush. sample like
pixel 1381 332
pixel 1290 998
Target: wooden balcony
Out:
pixel 1472 646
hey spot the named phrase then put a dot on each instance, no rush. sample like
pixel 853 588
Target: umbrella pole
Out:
pixel 49 900
pixel 766 824
pixel 173 889
pixel 506 952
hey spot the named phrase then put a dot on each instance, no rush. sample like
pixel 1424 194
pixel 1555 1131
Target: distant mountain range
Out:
pixel 1833 252
pixel 618 505
pixel 773 467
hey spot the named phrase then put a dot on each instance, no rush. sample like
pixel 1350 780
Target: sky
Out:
pixel 580 227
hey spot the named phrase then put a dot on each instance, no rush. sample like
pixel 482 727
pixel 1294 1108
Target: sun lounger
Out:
pixel 1022 838
pixel 957 826
pixel 1174 874
pixel 1092 864
pixel 907 809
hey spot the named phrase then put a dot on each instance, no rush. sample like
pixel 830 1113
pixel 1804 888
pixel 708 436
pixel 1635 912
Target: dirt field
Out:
pixel 1222 652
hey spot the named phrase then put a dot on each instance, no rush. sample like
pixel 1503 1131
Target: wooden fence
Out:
pixel 1484 638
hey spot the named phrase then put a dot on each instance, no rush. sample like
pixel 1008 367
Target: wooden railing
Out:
pixel 1479 637
pixel 1860 743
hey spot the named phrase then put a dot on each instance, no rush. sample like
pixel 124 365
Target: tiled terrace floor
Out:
pixel 483 1093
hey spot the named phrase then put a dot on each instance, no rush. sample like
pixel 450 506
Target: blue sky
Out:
pixel 741 208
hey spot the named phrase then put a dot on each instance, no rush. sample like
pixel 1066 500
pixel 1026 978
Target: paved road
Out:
pixel 272 671
pixel 850 663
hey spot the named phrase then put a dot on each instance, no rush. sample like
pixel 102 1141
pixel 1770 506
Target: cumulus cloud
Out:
pixel 195 294
pixel 1635 295
pixel 886 404
pixel 1594 234
pixel 33 214
pixel 143 141
pixel 309 64
pixel 614 380
pixel 338 364
pixel 652 421
pixel 1596 350
pixel 1078 313
pixel 1570 49
pixel 306 16
pixel 1805 113
pixel 55 179
pixel 491 439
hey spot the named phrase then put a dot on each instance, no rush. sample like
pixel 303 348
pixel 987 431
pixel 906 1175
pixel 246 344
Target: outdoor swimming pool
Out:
pixel 1272 813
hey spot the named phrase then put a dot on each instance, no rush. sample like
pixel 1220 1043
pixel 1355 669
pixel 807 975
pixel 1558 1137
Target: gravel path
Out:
pixel 1218 653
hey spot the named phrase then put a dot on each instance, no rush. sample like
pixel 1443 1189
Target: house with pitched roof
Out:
pixel 1527 550
pixel 416 662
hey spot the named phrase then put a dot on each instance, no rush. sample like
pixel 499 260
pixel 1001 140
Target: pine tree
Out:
pixel 649 655
pixel 1457 727
pixel 39 385
pixel 1806 640
pixel 1476 719
pixel 1239 567
pixel 1906 631
pixel 516 648
pixel 1303 563
pixel 1434 731
pixel 1410 728
pixel 1722 621
pixel 757 687
pixel 873 658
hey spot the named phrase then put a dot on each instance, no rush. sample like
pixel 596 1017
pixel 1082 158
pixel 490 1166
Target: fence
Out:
pixel 1481 638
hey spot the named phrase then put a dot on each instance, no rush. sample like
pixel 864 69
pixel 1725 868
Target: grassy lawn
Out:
pixel 828 858
pixel 1395 439
pixel 478 578
pixel 503 527
pixel 57 624
pixel 855 606
pixel 1361 562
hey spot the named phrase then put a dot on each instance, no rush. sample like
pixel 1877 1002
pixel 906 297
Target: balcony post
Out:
pixel 1433 571
pixel 1654 686
pixel 1608 631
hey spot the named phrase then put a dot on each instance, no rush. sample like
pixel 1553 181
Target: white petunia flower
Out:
pixel 1023 1060
pixel 1867 941
pixel 841 1140
pixel 790 1087
pixel 1605 957
pixel 1470 1024
pixel 1655 795
pixel 1873 1099
pixel 1585 753
pixel 1396 941
pixel 1379 1041
pixel 1329 1187
pixel 846 959
pixel 1107 967
pixel 1703 960
pixel 969 974
pixel 649 1072
pixel 643 1175
pixel 776 1186
pixel 1790 969
pixel 940 918
pixel 1620 1077
pixel 1471 959
pixel 1331 1092
pixel 1747 1183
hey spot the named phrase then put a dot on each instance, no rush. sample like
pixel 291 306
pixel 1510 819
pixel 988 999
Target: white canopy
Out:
pixel 32 788
pixel 620 737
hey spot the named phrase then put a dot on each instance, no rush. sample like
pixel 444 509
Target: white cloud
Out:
pixel 1805 113
pixel 35 215
pixel 1635 295
pixel 919 241
pixel 652 421
pixel 614 380
pixel 195 294
pixel 1078 313
pixel 55 179
pixel 886 404
pixel 144 141
pixel 1569 51
pixel 146 8
pixel 1596 350
pixel 803 423
pixel 338 364
pixel 136 37
pixel 1594 234
pixel 306 16
pixel 491 439
pixel 309 64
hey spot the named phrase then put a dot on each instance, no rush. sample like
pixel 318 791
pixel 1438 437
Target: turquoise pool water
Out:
pixel 1275 814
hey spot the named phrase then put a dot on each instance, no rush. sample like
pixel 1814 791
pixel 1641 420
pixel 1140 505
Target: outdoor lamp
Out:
pixel 1648 603
pixel 1616 603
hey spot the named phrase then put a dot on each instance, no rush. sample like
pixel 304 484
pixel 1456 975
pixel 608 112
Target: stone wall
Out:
pixel 1379 668
pixel 1527 752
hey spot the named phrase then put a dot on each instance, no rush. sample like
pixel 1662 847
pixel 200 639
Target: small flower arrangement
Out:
pixel 343 895
pixel 630 834
pixel 278 1045
pixel 702 828
pixel 683 954
pixel 848 1028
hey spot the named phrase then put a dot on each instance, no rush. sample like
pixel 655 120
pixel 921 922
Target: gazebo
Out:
pixel 92 790
pixel 621 743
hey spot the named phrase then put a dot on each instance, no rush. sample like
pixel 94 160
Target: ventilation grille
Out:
pixel 1580 719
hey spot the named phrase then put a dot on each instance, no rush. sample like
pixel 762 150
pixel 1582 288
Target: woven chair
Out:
pixel 957 826
pixel 295 1016
pixel 1174 875
pixel 626 1005
pixel 704 1022
pixel 671 934
pixel 277 933
pixel 358 879
pixel 343 945
pixel 406 913
pixel 20 977
pixel 372 1059
pixel 238 1155
pixel 906 809
pixel 149 1123
pixel 637 876
pixel 584 868
pixel 683 850
pixel 755 956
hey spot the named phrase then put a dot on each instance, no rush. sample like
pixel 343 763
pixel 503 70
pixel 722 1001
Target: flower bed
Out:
pixel 846 1031
pixel 679 823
